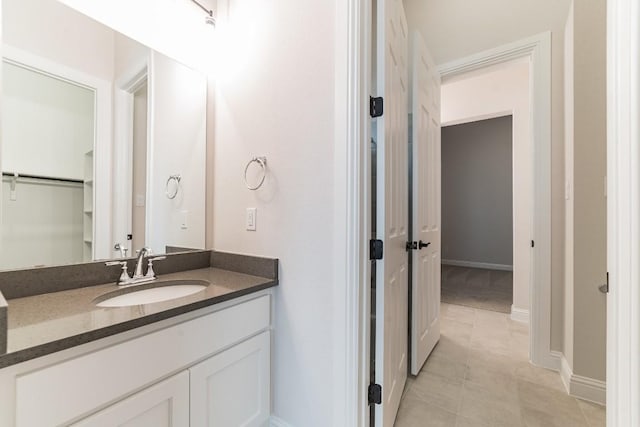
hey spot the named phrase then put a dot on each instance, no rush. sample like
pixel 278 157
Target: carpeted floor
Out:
pixel 478 288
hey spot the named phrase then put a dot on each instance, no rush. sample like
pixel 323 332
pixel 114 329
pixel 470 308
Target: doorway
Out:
pixel 477 214
pixel 537 51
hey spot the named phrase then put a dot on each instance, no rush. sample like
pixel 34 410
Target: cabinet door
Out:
pixel 163 404
pixel 233 388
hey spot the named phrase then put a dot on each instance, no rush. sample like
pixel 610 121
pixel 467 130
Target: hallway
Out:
pixel 477 288
pixel 478 375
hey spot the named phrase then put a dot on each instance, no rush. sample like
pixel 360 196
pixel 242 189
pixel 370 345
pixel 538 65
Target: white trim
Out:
pixel 126 85
pixel 538 48
pixel 565 373
pixel 478 118
pixel 352 166
pixel 102 147
pixel 623 213
pixel 519 314
pixel 588 389
pixel 582 387
pixel 555 361
pixel 475 264
pixel 278 422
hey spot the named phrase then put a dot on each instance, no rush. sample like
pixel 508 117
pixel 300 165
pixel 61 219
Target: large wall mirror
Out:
pixel 103 142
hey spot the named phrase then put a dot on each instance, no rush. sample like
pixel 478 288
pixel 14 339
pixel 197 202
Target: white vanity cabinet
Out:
pixel 232 388
pixel 205 368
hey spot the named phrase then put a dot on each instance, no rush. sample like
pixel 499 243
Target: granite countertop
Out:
pixel 43 324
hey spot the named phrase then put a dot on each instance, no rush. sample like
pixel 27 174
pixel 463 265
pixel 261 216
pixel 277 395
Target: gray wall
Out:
pixel 477 195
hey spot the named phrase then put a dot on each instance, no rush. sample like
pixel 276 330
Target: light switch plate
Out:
pixel 251 219
pixel 184 223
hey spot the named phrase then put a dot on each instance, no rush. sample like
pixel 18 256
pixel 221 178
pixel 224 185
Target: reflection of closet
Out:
pixel 87 218
pixel 48 135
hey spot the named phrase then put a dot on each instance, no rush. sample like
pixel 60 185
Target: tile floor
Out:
pixel 478 375
pixel 478 288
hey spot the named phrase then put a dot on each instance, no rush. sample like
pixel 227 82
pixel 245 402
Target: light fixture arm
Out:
pixel 201 6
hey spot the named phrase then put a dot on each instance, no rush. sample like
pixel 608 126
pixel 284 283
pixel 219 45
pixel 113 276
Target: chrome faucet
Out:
pixel 137 272
pixel 137 276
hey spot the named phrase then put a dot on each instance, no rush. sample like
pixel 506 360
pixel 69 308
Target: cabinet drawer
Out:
pixel 77 387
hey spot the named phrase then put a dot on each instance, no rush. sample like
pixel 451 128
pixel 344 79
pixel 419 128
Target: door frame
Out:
pixel 538 49
pixel 126 85
pixel 352 212
pixel 623 212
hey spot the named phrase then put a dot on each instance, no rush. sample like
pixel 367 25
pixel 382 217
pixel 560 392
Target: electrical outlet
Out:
pixel 251 219
pixel 184 220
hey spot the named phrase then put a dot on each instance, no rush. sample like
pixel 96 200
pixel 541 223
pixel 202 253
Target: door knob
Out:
pixel 421 244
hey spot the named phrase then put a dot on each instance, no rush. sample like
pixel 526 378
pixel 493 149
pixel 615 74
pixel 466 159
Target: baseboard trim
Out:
pixel 565 374
pixel 278 422
pixel 474 264
pixel 589 389
pixel 553 361
pixel 519 315
pixel 583 387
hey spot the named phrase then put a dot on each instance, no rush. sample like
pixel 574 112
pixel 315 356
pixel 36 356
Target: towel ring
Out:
pixel 174 193
pixel 262 161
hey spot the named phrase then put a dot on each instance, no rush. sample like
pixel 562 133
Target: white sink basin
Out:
pixel 150 293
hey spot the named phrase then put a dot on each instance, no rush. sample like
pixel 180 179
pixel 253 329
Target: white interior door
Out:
pixel 425 301
pixel 392 208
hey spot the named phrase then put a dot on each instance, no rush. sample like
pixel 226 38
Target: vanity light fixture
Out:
pixel 209 19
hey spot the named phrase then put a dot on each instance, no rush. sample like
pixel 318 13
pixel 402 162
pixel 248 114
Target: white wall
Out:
pixel 173 27
pixel 457 28
pixel 588 148
pixel 275 98
pixel 477 192
pixel 127 54
pixel 53 31
pixel 48 124
pixel 504 89
pixel 569 210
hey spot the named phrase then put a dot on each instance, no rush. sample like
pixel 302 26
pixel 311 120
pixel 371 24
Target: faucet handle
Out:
pixel 124 277
pixel 150 272
pixel 123 263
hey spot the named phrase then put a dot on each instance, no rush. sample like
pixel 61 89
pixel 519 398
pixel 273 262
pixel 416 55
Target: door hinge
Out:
pixel 375 249
pixel 605 288
pixel 533 244
pixel 376 106
pixel 375 394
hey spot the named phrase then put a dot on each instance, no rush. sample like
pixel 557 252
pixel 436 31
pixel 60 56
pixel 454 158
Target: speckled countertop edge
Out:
pixel 28 324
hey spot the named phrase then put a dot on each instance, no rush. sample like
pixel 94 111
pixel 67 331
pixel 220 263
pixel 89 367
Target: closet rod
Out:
pixel 46 178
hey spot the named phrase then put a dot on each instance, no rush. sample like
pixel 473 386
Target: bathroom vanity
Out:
pixel 105 150
pixel 200 359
